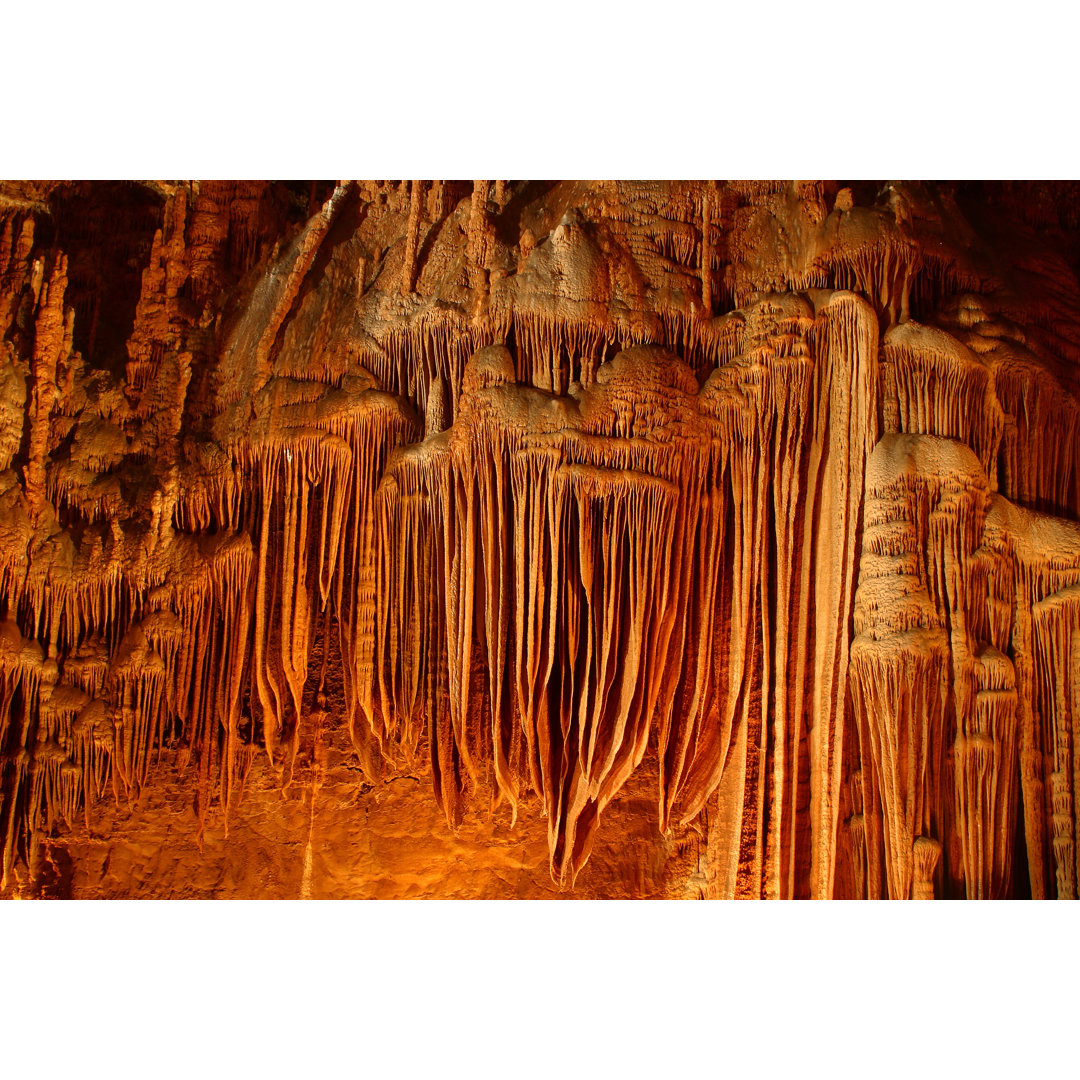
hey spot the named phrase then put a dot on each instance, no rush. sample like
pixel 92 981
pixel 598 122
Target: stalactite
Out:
pixel 846 430
pixel 409 646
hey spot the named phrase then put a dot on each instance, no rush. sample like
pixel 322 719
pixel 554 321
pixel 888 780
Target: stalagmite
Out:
pixel 530 534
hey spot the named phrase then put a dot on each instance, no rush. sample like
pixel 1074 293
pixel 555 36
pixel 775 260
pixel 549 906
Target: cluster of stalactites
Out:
pixel 597 545
pixel 540 535
pixel 960 681
pixel 914 675
pixel 586 553
pixel 626 264
pixel 960 676
pixel 139 634
pixel 114 680
pixel 310 460
pixel 932 384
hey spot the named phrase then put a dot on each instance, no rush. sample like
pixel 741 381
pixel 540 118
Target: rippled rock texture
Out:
pixel 535 539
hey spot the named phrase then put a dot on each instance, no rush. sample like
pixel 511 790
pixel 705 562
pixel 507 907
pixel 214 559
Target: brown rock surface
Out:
pixel 535 539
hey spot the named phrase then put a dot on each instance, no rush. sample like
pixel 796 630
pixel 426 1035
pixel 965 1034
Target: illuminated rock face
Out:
pixel 519 539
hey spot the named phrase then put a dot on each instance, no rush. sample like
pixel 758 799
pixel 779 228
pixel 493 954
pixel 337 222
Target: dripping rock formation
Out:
pixel 535 539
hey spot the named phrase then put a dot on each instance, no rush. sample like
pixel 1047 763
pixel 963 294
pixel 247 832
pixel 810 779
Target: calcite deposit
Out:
pixel 539 539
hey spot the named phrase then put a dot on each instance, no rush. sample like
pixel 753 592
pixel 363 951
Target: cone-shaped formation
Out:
pixel 770 489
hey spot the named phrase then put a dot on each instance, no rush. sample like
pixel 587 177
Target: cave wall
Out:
pixel 529 539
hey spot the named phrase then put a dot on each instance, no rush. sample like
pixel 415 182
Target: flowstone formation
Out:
pixel 508 538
